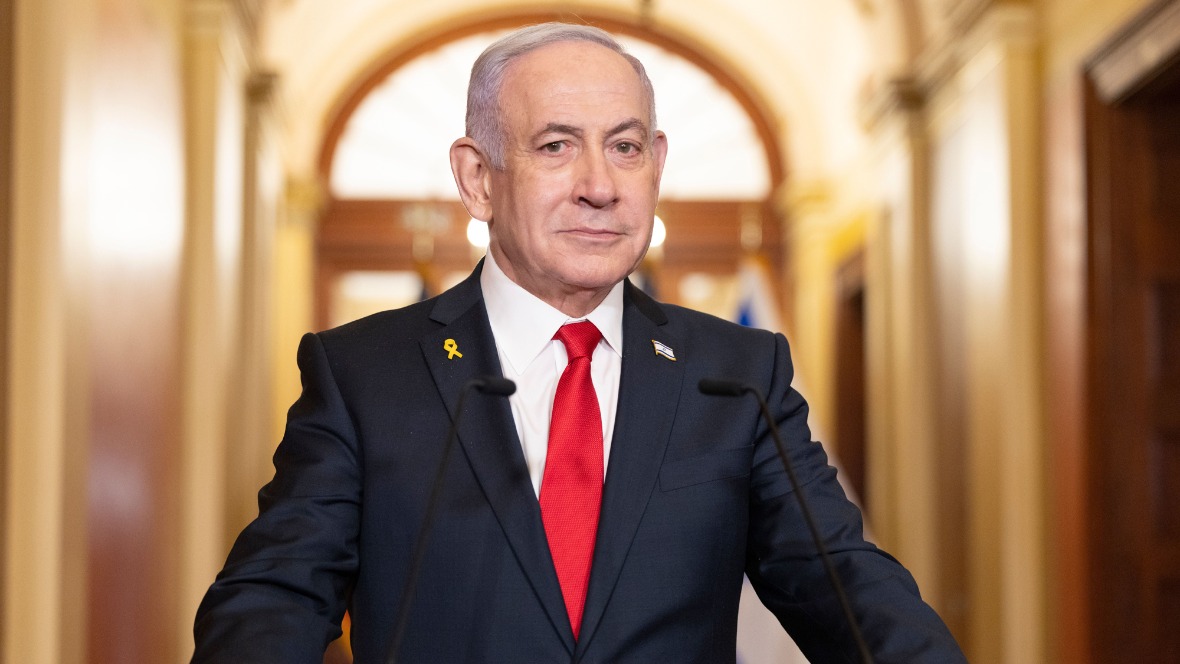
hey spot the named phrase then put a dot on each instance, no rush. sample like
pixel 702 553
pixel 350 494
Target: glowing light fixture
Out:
pixel 659 233
pixel 477 234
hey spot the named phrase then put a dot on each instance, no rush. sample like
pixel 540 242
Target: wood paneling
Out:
pixel 1134 476
pixel 372 235
pixel 703 236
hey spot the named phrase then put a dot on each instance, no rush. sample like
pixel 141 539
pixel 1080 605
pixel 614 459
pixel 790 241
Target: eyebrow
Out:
pixel 626 125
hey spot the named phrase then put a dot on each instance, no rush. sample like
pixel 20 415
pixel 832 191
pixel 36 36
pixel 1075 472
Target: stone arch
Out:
pixel 333 261
pixel 757 109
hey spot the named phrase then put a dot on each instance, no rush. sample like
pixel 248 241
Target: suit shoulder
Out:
pixel 701 323
pixel 405 323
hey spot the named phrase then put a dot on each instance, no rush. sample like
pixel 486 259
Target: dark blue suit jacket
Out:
pixel 695 496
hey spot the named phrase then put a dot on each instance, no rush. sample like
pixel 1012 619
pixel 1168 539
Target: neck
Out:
pixel 578 305
pixel 573 301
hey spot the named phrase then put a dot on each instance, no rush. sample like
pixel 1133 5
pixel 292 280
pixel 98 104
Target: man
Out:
pixel 606 512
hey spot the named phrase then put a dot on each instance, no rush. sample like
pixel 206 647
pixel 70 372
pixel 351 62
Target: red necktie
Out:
pixel 571 490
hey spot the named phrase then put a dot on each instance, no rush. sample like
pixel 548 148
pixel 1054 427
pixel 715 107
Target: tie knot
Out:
pixel 579 338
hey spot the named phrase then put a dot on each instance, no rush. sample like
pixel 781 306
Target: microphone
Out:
pixel 721 388
pixel 729 388
pixel 489 385
pixel 492 386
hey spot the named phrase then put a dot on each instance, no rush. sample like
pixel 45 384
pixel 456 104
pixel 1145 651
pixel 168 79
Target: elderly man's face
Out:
pixel 572 210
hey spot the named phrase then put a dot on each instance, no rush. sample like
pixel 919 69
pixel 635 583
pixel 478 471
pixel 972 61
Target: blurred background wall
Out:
pixel 963 213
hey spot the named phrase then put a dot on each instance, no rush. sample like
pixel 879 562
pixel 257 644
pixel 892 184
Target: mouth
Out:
pixel 593 233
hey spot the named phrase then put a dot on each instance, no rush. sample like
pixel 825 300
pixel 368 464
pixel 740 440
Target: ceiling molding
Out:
pixel 1138 53
pixel 982 23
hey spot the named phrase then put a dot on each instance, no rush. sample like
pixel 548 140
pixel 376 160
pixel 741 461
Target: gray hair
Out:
pixel 485 124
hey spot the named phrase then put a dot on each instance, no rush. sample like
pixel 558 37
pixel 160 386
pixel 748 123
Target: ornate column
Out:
pixel 294 287
pixel 902 350
pixel 34 481
pixel 983 126
pixel 216 60
pixel 250 433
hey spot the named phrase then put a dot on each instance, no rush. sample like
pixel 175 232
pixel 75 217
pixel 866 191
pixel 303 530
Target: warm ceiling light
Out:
pixel 659 233
pixel 477 234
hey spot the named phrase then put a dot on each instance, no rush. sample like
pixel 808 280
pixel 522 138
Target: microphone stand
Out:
pixel 734 389
pixel 490 385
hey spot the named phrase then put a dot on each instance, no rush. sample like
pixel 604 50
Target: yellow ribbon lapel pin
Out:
pixel 452 349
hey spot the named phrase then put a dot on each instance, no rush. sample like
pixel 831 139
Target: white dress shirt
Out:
pixel 523 327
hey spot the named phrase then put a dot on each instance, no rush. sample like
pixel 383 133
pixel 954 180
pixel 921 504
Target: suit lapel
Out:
pixel 488 436
pixel 649 393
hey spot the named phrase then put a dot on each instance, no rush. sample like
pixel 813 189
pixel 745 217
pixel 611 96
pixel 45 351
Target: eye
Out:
pixel 627 147
pixel 554 147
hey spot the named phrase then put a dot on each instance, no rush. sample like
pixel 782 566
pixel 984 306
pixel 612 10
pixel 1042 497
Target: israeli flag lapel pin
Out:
pixel 663 350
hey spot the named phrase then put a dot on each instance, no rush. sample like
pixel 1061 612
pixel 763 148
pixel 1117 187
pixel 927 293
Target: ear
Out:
pixel 473 176
pixel 659 149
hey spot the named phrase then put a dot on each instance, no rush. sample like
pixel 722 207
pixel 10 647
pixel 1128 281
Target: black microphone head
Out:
pixel 721 388
pixel 495 386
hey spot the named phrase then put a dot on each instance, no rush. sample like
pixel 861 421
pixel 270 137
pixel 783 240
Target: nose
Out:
pixel 596 185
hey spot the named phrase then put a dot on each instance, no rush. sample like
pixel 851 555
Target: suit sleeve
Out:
pixel 787 572
pixel 283 590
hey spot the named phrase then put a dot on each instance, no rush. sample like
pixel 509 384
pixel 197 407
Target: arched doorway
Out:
pixel 393 229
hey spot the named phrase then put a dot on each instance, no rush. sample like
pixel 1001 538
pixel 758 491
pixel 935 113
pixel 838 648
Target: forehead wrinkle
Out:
pixel 559 128
pixel 539 83
pixel 630 124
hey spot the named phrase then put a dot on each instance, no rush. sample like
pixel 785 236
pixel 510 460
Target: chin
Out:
pixel 596 280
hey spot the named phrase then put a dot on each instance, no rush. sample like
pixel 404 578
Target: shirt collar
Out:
pixel 523 324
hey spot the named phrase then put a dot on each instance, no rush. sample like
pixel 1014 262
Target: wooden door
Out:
pixel 1133 155
pixel 850 422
